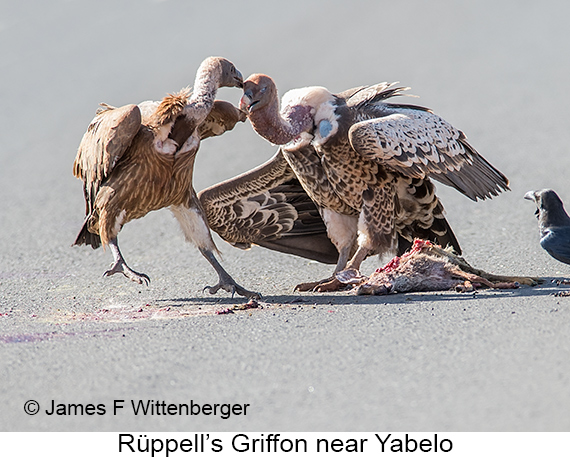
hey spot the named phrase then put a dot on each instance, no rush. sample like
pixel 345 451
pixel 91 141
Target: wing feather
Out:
pixel 418 143
pixel 267 206
pixel 223 117
pixel 108 136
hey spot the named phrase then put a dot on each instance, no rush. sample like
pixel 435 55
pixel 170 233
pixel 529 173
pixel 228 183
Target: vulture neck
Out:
pixel 272 126
pixel 206 86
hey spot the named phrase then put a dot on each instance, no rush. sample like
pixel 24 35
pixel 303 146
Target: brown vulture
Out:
pixel 367 164
pixel 137 159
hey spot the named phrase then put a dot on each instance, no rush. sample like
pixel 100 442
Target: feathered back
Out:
pixel 170 107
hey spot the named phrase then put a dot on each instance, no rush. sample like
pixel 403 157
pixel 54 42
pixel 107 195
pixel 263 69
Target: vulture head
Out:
pixel 222 70
pixel 231 76
pixel 297 114
pixel 258 92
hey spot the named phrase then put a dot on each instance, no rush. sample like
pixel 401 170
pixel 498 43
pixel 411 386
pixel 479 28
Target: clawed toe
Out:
pixel 139 278
pixel 334 285
pixel 306 286
pixel 214 289
pixel 325 285
pixel 246 293
pixel 209 289
pixel 232 287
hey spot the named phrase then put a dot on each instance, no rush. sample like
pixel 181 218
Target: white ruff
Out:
pixel 162 143
pixel 304 139
pixel 306 96
pixel 322 106
pixel 167 146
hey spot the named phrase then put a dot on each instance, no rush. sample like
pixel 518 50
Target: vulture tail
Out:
pixel 439 233
pixel 86 237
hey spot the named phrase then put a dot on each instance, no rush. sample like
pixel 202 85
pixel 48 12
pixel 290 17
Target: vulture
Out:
pixel 553 223
pixel 140 158
pixel 368 165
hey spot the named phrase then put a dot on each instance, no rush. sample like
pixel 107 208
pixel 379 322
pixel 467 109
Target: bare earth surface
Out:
pixel 491 360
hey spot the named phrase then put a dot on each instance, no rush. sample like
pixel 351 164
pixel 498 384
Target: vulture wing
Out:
pixel 418 143
pixel 223 117
pixel 267 206
pixel 368 96
pixel 108 136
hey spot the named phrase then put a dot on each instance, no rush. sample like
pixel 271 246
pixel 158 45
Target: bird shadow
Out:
pixel 548 287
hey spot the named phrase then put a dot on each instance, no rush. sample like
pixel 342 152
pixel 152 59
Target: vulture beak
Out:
pixel 246 103
pixel 239 79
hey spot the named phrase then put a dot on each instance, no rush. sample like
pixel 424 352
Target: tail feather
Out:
pixel 440 233
pixel 86 237
pixel 444 236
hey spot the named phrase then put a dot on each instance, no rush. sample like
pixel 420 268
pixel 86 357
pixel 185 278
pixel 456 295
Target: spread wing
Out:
pixel 107 138
pixel 267 206
pixel 223 117
pixel 418 143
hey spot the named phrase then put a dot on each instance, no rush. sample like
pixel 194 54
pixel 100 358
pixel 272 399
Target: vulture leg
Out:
pixel 225 281
pixel 120 266
pixel 377 231
pixel 196 230
pixel 329 284
pixel 333 284
pixel 358 258
pixel 341 230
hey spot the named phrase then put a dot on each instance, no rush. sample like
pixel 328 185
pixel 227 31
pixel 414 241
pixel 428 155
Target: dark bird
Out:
pixel 553 223
pixel 137 159
pixel 367 164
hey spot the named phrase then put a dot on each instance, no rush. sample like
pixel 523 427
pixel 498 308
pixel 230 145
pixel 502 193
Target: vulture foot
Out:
pixel 225 281
pixel 325 285
pixel 121 267
pixel 229 285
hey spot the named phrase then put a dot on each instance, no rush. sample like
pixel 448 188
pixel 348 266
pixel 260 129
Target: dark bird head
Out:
pixel 549 208
pixel 258 91
pixel 231 76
